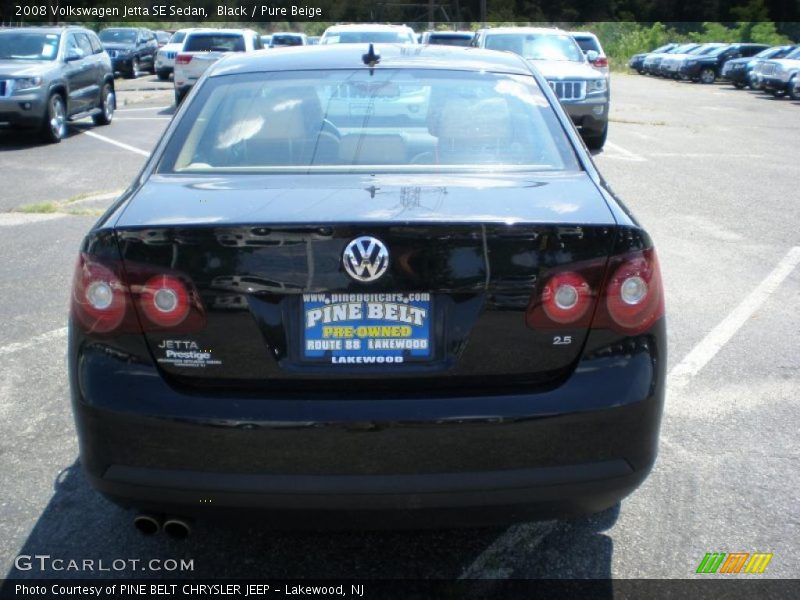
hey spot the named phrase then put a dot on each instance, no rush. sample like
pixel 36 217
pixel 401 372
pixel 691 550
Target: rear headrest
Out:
pixel 462 119
pixel 372 149
pixel 292 113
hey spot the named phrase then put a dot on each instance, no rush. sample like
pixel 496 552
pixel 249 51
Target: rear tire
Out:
pixel 108 103
pixel 179 96
pixel 54 126
pixel 738 85
pixel 598 140
pixel 162 75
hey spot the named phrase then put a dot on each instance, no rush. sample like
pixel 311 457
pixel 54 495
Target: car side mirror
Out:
pixel 72 56
pixel 592 55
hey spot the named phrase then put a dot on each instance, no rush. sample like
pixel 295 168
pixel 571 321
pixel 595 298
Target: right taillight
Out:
pixel 633 297
pixel 601 61
pixel 626 291
pixel 183 59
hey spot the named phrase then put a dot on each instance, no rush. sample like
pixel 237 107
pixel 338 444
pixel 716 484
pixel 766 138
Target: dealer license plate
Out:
pixel 368 328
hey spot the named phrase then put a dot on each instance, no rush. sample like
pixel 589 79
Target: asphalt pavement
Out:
pixel 710 171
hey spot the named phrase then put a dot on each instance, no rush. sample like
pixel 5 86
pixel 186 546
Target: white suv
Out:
pixel 165 59
pixel 202 48
pixel 365 33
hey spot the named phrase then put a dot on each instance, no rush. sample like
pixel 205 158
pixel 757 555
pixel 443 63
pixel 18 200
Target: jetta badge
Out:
pixel 365 258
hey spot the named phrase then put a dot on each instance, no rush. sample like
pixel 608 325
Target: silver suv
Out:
pixel 50 75
pixel 582 89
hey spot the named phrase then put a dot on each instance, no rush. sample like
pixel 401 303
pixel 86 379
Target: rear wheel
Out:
pixel 162 75
pixel 179 95
pixel 108 103
pixel 708 75
pixel 54 127
pixel 738 85
pixel 596 140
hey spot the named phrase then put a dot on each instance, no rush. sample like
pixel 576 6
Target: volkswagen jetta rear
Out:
pixel 349 314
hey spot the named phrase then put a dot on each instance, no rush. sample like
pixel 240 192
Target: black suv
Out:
pixel 708 67
pixel 49 75
pixel 132 49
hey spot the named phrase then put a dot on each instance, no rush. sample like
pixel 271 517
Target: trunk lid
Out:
pixel 264 251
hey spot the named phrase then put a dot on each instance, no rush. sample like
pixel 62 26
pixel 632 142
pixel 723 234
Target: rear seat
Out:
pixel 379 149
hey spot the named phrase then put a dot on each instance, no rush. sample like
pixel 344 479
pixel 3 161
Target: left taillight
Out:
pixel 107 298
pixel 99 297
pixel 601 61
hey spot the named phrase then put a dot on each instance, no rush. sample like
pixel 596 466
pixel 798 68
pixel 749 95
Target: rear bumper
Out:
pixel 403 462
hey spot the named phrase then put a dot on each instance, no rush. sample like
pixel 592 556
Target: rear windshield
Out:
pixel 450 40
pixel 216 42
pixel 118 36
pixel 588 43
pixel 351 121
pixel 287 40
pixel 537 46
pixel 27 45
pixel 366 37
pixel 177 37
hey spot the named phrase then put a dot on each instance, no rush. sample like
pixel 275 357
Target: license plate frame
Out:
pixel 367 329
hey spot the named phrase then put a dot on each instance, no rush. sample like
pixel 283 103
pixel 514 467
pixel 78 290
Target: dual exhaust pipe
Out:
pixel 150 524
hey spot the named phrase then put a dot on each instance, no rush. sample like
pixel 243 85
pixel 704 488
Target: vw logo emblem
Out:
pixel 365 258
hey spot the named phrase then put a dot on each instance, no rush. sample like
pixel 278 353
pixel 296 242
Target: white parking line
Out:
pixel 55 334
pixel 143 108
pixel 625 154
pixel 11 219
pixel 116 143
pixel 713 342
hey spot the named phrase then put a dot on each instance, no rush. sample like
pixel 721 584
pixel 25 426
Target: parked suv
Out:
pixel 132 49
pixel 165 59
pixel 738 70
pixel 588 43
pixel 637 60
pixel 652 63
pixel 671 64
pixel 49 75
pixel 202 48
pixel 708 67
pixel 582 89
pixel 778 76
pixel 363 33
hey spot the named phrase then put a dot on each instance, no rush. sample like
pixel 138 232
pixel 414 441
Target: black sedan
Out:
pixel 368 287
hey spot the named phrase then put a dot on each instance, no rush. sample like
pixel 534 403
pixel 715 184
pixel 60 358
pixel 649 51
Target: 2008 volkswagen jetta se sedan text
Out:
pixel 368 286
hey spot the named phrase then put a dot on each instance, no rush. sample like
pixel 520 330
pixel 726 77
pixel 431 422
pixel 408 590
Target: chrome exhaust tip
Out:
pixel 147 524
pixel 177 528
